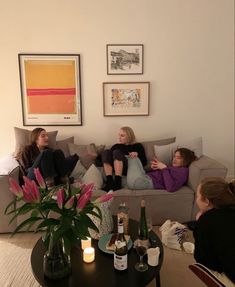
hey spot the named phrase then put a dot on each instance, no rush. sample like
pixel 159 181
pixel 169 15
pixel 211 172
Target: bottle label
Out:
pixel 120 262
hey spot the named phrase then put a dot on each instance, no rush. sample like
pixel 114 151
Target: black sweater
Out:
pixel 215 240
pixel 126 149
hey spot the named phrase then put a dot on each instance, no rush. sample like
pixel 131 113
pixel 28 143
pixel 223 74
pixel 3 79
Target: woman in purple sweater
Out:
pixel 161 176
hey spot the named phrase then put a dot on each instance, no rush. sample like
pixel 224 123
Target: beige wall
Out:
pixel 188 58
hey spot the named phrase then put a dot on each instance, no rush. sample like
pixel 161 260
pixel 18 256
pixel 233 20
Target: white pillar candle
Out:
pixel 89 254
pixel 86 243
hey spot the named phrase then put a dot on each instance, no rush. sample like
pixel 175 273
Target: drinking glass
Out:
pixel 140 246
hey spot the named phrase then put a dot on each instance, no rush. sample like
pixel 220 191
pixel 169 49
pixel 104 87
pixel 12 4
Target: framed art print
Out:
pixel 126 98
pixel 50 89
pixel 125 59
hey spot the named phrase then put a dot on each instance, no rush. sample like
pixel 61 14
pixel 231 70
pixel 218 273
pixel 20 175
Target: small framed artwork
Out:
pixel 125 59
pixel 126 98
pixel 50 89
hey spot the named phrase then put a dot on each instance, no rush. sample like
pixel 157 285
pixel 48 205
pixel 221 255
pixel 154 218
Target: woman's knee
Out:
pixel 118 155
pixel 107 156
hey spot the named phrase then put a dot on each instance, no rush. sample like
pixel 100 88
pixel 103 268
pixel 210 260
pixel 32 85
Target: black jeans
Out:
pixel 109 157
pixel 52 163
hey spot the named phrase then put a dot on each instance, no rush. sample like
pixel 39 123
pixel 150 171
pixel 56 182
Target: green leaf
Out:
pixel 48 222
pixel 26 222
pixel 9 205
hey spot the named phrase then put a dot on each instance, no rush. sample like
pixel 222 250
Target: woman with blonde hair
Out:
pixel 215 228
pixel 115 159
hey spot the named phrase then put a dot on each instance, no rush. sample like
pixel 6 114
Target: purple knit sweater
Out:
pixel 170 178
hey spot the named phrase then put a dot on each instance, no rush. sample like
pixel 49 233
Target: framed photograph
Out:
pixel 50 89
pixel 126 98
pixel 125 59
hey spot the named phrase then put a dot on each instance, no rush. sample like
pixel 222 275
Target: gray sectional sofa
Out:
pixel 162 205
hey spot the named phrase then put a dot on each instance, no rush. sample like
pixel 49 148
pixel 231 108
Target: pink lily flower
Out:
pixel 28 181
pixel 60 198
pixel 83 200
pixel 15 188
pixel 31 192
pixel 69 203
pixel 104 198
pixel 87 187
pixel 39 178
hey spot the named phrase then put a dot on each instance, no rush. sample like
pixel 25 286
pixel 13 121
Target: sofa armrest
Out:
pixel 7 164
pixel 204 167
pixel 6 197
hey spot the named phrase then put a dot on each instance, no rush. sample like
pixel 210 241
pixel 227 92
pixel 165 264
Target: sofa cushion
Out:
pixel 149 146
pixel 93 175
pixel 87 158
pixel 78 171
pixel 22 138
pixel 63 145
pixel 194 144
pixel 164 153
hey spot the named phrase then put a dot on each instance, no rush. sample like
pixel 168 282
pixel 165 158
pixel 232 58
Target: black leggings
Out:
pixel 52 163
pixel 109 157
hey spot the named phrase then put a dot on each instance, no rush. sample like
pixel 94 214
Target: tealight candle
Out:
pixel 89 254
pixel 86 243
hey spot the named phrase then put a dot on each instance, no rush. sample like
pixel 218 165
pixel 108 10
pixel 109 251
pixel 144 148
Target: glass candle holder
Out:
pixel 89 254
pixel 85 243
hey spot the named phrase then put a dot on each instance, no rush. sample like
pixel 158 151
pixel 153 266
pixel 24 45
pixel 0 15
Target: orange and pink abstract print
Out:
pixel 50 86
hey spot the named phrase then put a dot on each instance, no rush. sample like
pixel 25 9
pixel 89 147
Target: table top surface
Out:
pixel 100 272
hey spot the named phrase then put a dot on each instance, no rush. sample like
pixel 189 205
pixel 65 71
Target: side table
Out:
pixel 100 272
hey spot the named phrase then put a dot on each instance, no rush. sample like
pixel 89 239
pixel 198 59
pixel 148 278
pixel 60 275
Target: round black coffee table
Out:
pixel 100 272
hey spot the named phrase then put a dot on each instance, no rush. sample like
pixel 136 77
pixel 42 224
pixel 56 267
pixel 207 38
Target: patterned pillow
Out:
pixel 105 225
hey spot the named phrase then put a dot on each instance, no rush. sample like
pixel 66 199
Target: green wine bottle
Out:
pixel 143 227
pixel 120 253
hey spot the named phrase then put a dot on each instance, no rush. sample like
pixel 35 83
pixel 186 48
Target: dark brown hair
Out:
pixel 33 139
pixel 218 191
pixel 35 133
pixel 187 155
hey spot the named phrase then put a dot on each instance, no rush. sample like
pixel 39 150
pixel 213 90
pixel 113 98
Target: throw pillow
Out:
pixel 93 175
pixel 22 138
pixel 87 159
pixel 105 225
pixel 149 146
pixel 79 171
pixel 63 145
pixel 192 144
pixel 164 153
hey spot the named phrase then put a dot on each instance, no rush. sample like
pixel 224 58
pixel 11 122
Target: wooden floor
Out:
pixel 15 268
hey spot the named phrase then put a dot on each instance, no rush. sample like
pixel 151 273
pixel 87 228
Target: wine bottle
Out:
pixel 120 253
pixel 143 227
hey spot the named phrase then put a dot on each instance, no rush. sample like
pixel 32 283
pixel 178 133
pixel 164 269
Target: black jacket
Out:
pixel 215 240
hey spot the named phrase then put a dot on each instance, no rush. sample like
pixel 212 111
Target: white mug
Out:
pixel 153 256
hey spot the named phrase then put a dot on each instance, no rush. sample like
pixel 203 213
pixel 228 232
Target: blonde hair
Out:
pixel 218 191
pixel 130 135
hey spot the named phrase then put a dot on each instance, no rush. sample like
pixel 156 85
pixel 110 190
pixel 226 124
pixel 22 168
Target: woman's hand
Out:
pixel 156 164
pixel 133 154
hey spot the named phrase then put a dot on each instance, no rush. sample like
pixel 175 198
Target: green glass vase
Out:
pixel 56 262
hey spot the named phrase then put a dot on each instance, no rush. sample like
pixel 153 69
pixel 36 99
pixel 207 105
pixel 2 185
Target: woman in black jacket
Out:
pixel 115 159
pixel 215 228
pixel 52 164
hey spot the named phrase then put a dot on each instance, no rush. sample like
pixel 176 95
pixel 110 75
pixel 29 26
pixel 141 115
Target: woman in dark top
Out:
pixel 52 164
pixel 115 160
pixel 215 228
